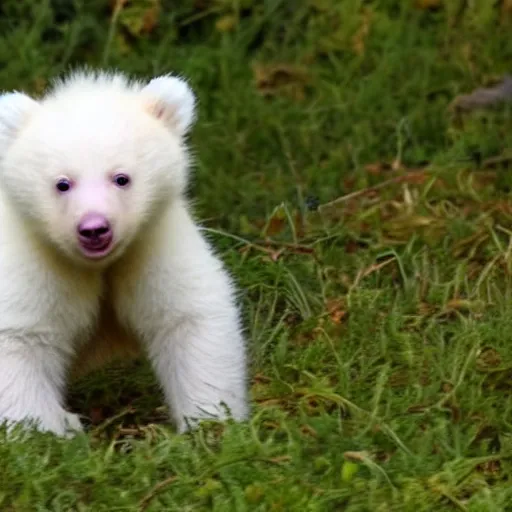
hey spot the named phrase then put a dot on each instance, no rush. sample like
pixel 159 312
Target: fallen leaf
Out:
pixel 275 224
pixel 336 310
pixel 488 358
pixel 356 456
pixel 275 255
pixel 492 467
pixel 278 79
pixel 460 305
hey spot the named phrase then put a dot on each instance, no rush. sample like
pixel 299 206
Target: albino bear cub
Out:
pixel 98 252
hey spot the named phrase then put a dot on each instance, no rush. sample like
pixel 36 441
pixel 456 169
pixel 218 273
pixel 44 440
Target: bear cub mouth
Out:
pixel 95 236
pixel 96 246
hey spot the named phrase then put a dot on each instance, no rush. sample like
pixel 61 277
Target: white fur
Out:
pixel 162 281
pixel 14 109
pixel 175 92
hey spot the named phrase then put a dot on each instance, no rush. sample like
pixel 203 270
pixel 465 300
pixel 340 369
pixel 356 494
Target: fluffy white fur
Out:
pixel 161 287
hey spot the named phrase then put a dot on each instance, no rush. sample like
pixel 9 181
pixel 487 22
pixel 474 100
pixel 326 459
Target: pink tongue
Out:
pixel 95 244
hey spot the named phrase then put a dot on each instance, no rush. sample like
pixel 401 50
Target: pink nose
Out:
pixel 94 231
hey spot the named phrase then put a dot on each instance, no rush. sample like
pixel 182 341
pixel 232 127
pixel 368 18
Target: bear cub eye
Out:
pixel 121 180
pixel 63 185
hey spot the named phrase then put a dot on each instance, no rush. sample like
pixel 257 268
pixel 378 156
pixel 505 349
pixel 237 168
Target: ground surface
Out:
pixel 380 323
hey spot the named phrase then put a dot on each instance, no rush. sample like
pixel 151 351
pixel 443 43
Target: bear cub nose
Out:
pixel 94 231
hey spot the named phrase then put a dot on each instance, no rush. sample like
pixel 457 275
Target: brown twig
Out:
pixel 370 190
pixel 109 421
pixel 144 502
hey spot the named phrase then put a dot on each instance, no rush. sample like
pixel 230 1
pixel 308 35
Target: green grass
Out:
pixel 380 325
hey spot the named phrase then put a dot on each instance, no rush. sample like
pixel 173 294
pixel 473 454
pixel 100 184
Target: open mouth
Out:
pixel 96 248
pixel 95 235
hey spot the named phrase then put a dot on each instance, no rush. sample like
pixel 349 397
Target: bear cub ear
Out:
pixel 15 108
pixel 171 100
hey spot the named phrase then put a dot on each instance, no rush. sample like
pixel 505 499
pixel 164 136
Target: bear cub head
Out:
pixel 94 161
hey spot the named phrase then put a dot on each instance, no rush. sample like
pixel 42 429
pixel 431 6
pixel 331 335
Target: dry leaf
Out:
pixel 491 467
pixel 488 358
pixel 277 79
pixel 357 456
pixel 337 310
pixel 459 304
pixel 275 255
pixel 275 225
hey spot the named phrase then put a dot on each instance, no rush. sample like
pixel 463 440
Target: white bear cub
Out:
pixel 96 238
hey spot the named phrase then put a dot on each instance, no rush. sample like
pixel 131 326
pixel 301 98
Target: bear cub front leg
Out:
pixel 180 301
pixel 32 380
